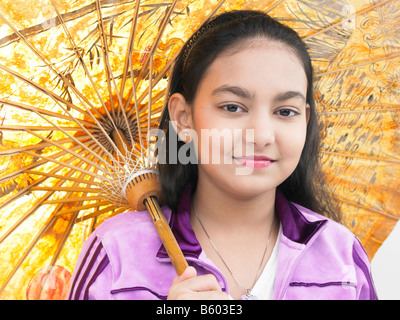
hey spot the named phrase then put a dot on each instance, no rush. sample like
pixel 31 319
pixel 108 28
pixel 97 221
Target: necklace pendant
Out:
pixel 249 296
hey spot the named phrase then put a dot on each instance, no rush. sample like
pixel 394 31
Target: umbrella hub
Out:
pixel 120 131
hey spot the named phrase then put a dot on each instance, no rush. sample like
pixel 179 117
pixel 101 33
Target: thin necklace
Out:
pixel 248 295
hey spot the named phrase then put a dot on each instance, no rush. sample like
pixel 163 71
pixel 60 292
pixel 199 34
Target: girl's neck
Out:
pixel 221 208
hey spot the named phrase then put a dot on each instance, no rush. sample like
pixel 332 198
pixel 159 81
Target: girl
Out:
pixel 247 223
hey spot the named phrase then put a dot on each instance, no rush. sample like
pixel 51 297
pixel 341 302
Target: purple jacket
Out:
pixel 125 259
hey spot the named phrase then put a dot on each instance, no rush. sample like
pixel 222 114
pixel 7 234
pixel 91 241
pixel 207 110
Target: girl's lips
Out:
pixel 255 162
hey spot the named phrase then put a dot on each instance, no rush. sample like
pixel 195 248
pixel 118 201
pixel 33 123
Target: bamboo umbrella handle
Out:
pixel 142 192
pixel 166 236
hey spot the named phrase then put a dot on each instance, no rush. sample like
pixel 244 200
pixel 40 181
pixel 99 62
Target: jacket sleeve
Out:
pixel 365 285
pixel 92 275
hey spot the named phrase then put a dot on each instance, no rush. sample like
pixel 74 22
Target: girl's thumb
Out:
pixel 190 272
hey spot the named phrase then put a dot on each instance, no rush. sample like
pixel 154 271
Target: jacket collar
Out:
pixel 295 226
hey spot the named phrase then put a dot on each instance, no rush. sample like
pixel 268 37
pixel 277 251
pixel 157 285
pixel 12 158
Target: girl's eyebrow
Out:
pixel 289 95
pixel 241 92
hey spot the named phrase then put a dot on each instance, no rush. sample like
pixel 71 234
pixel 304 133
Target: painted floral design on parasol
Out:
pixel 83 83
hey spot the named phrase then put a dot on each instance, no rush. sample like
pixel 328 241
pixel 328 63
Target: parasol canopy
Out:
pixel 83 82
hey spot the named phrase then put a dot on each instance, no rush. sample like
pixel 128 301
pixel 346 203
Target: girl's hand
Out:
pixel 188 286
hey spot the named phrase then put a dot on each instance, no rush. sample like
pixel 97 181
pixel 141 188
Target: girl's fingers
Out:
pixel 190 286
pixel 202 283
pixel 207 295
pixel 206 282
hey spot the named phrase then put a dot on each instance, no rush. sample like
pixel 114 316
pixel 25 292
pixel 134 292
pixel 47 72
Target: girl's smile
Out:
pixel 256 162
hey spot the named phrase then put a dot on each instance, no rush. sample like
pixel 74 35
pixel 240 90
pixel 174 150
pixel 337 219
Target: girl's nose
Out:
pixel 264 132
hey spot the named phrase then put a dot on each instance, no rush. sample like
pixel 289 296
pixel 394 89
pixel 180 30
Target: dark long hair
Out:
pixel 229 31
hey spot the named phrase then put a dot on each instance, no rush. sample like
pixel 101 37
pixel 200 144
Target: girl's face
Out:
pixel 261 87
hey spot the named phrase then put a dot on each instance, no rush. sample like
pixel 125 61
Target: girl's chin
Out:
pixel 241 182
pixel 249 187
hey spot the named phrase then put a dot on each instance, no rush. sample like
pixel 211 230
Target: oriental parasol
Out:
pixel 83 83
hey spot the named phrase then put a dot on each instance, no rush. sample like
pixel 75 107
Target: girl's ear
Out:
pixel 307 112
pixel 180 114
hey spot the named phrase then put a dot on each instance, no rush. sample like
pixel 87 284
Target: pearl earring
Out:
pixel 187 136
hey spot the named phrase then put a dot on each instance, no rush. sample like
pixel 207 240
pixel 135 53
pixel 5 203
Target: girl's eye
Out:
pixel 233 108
pixel 287 113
